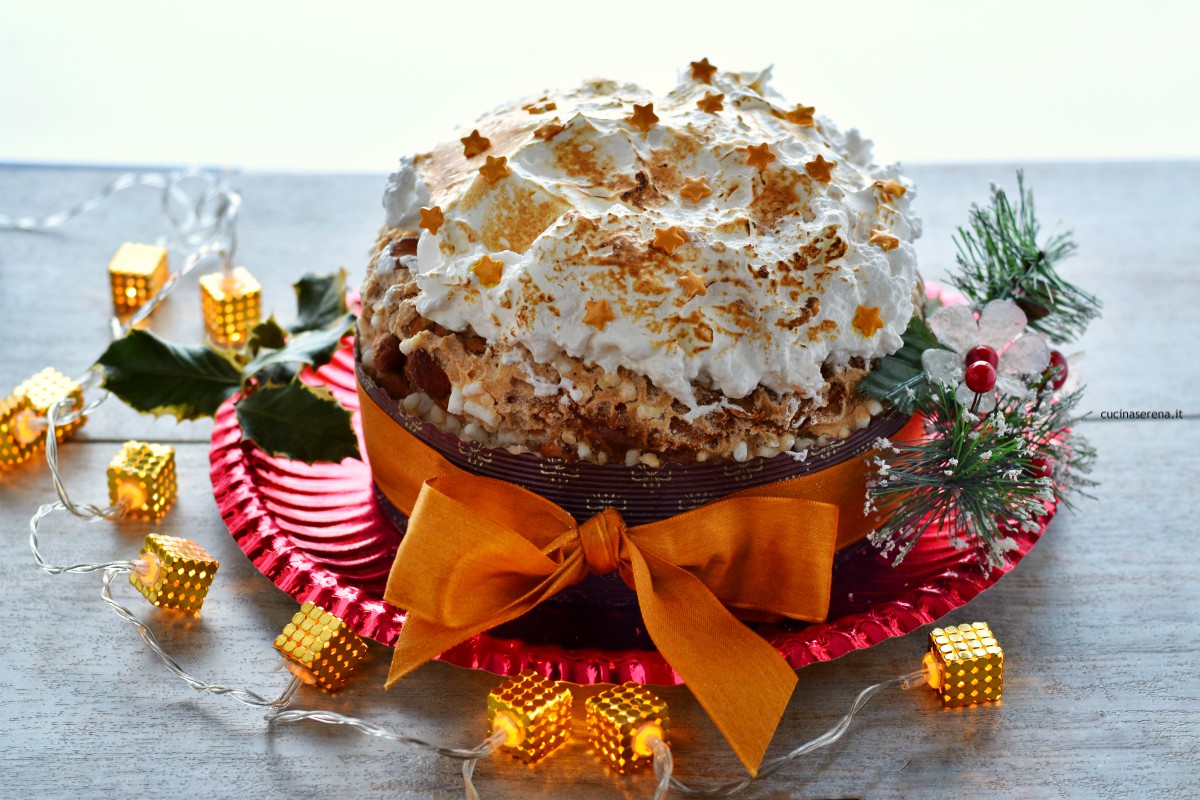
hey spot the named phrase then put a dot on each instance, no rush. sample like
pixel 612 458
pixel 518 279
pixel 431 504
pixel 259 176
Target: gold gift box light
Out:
pixel 534 712
pixel 47 388
pixel 19 435
pixel 173 572
pixel 622 722
pixel 319 648
pixel 965 665
pixel 142 477
pixel 232 305
pixel 136 273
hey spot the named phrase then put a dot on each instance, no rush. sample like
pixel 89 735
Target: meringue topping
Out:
pixel 604 252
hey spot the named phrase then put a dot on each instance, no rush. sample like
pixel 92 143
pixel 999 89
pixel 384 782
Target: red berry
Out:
pixel 981 377
pixel 1056 373
pixel 983 353
pixel 1041 467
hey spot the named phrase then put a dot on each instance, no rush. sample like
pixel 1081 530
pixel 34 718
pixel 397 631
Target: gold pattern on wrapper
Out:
pixel 142 476
pixel 965 665
pixel 319 648
pixel 47 388
pixel 19 438
pixel 136 272
pixel 232 305
pixel 536 712
pixel 173 572
pixel 620 723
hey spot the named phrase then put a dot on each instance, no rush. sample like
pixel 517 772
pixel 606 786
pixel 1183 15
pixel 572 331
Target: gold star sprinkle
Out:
pixel 475 144
pixel 703 71
pixel 801 115
pixel 669 240
pixel 643 117
pixel 550 130
pixel 431 219
pixel 598 314
pixel 820 169
pixel 695 189
pixel 884 238
pixel 889 190
pixel 693 284
pixel 488 271
pixel 867 321
pixel 495 169
pixel 712 102
pixel 758 155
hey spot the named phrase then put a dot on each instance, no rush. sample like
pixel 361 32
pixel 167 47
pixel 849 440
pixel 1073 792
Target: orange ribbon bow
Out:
pixel 479 552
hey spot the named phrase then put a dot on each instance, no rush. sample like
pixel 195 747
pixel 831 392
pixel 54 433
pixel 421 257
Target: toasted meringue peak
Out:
pixel 579 195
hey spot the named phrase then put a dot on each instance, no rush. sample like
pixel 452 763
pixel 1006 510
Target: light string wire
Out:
pixel 275 708
pixel 207 224
pixel 203 213
pixel 663 761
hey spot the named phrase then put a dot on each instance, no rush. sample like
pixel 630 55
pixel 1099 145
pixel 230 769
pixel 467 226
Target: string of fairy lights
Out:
pixel 530 716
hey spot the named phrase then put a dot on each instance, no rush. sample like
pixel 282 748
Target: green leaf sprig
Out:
pixel 978 478
pixel 1000 258
pixel 276 410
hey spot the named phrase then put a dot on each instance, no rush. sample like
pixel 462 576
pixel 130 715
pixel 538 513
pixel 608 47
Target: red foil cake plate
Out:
pixel 319 533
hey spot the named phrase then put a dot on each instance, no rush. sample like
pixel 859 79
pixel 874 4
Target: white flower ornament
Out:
pixel 1001 326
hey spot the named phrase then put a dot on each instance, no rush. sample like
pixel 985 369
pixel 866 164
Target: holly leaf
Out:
pixel 298 421
pixel 900 377
pixel 320 299
pixel 312 348
pixel 268 334
pixel 157 377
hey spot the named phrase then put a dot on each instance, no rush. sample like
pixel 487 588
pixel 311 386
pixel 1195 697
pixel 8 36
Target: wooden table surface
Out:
pixel 1098 623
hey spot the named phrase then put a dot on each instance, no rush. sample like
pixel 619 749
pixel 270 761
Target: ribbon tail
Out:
pixel 735 674
pixel 420 641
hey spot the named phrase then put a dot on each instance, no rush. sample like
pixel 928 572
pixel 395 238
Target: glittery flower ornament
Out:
pixel 998 334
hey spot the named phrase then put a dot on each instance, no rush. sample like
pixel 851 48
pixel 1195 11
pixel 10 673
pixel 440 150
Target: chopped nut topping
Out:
pixel 431 219
pixel 889 190
pixel 695 189
pixel 820 169
pixel 703 71
pixel 541 106
pixel 884 238
pixel 495 169
pixel 475 144
pixel 643 117
pixel 550 130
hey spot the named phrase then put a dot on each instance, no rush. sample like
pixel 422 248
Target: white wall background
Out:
pixel 351 85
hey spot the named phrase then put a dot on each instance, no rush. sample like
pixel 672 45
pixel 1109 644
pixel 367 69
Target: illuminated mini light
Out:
pixel 319 648
pixel 20 437
pixel 173 572
pixel 141 476
pixel 47 388
pixel 965 665
pixel 136 272
pixel 623 722
pixel 232 305
pixel 533 712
